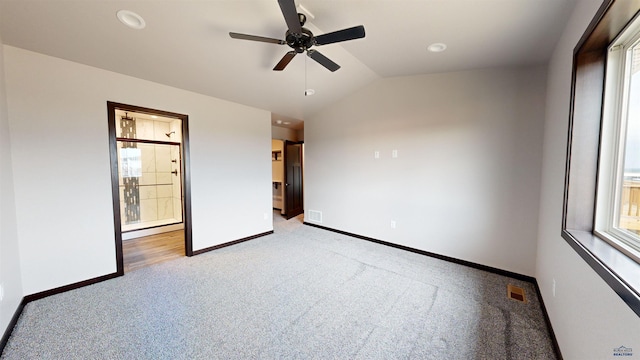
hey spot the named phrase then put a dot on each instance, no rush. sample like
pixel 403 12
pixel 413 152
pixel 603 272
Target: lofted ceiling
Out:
pixel 186 44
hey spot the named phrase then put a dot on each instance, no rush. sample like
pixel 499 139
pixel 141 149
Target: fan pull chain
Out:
pixel 305 75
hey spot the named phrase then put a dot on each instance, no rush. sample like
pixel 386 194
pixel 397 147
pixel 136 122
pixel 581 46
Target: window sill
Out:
pixel 618 270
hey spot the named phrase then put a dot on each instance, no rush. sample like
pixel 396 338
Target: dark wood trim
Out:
pixel 430 254
pixel 11 325
pixel 530 279
pixel 285 180
pixel 583 149
pixel 142 141
pixel 186 173
pixel 547 320
pixel 234 242
pixel 616 269
pixel 41 295
pixel 74 286
pixel 115 186
pixel 154 227
pixel 186 187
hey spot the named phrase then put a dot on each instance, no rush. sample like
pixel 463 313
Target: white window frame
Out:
pixel 613 135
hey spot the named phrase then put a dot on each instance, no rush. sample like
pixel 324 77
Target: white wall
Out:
pixel 58 119
pixel 466 180
pixel 10 278
pixel 282 133
pixel 589 319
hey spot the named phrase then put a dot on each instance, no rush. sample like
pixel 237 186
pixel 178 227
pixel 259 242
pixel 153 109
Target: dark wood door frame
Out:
pixel 186 175
pixel 291 188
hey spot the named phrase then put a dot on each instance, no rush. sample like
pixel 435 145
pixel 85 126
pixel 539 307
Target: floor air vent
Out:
pixel 516 293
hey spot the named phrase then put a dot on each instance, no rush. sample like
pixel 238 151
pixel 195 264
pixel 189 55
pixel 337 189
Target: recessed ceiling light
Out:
pixel 278 121
pixel 131 19
pixel 287 122
pixel 309 92
pixel 437 47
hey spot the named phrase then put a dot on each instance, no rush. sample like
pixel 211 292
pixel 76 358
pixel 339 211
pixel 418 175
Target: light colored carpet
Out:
pixel 302 292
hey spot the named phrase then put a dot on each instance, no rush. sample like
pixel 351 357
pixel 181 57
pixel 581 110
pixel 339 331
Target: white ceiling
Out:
pixel 186 43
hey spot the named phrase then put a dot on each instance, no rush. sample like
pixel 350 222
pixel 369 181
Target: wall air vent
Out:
pixel 314 216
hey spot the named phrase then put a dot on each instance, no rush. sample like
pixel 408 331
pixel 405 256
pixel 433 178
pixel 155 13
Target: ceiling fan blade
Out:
pixel 355 32
pixel 286 59
pixel 323 60
pixel 256 38
pixel 288 8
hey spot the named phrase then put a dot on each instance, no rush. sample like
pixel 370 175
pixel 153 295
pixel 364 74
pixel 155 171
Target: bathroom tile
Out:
pixel 176 190
pixel 148 210
pixel 148 157
pixel 176 125
pixel 161 129
pixel 118 128
pixel 165 208
pixel 148 178
pixel 164 177
pixel 175 155
pixel 148 192
pixel 144 129
pixel 165 191
pixel 163 158
pixel 177 209
pixel 123 216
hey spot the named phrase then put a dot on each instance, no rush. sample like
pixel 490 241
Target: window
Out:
pixel 602 149
pixel 618 200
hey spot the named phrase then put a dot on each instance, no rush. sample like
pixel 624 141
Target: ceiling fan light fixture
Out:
pixel 437 47
pixel 131 19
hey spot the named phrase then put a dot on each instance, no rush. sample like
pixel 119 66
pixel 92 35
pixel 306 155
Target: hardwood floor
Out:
pixel 154 249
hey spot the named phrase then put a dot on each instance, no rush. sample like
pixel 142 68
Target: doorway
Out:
pixel 287 173
pixel 150 185
pixel 293 186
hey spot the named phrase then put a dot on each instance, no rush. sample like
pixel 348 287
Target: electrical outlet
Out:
pixel 266 216
pixel 376 154
pixel 394 154
pixel 1 292
pixel 553 287
pixel 393 224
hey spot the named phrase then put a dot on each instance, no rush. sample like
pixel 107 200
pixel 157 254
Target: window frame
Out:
pixel 613 137
pixel 585 131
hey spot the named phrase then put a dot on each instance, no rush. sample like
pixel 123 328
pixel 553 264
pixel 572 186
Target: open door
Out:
pixel 293 179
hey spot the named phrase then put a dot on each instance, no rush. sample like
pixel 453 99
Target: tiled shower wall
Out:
pixel 155 193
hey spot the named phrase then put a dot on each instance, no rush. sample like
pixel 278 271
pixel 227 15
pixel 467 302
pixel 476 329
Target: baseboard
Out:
pixel 547 320
pixel 65 288
pixel 11 325
pixel 433 255
pixel 215 247
pixel 37 296
pixel 530 279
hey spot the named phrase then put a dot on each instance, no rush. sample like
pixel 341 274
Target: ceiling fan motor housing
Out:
pixel 300 42
pixel 301 39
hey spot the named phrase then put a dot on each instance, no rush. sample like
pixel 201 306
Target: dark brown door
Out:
pixel 293 179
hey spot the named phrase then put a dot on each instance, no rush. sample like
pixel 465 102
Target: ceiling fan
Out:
pixel 301 39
